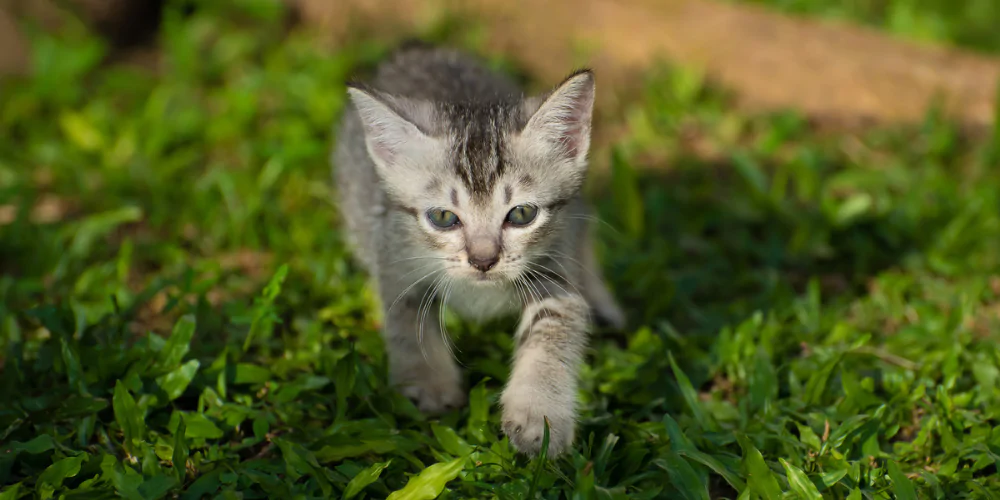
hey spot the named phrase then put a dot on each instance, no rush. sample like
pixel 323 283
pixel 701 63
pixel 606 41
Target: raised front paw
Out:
pixel 524 415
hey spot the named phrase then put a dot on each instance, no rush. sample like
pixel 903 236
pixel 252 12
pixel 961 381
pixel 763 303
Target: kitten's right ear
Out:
pixel 387 133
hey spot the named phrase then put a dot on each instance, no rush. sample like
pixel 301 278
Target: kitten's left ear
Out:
pixel 563 118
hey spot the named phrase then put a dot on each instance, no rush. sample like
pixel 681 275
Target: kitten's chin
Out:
pixel 484 279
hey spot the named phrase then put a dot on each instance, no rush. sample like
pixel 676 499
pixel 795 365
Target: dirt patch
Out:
pixel 840 73
pixel 13 47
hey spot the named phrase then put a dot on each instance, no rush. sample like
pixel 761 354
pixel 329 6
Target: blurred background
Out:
pixel 798 200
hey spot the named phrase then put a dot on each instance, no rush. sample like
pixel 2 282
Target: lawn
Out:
pixel 810 314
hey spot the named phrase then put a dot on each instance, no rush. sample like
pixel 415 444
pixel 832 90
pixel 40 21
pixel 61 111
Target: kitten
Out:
pixel 456 189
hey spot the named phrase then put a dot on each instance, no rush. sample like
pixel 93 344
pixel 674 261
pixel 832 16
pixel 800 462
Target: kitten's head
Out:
pixel 485 182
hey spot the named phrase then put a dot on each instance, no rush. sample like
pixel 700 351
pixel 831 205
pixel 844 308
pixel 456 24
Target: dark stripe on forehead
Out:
pixel 479 131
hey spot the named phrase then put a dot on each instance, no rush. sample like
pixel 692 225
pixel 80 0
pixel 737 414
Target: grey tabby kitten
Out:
pixel 458 191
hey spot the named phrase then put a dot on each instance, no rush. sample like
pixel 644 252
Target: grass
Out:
pixel 810 315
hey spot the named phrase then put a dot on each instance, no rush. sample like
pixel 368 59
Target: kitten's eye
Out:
pixel 442 218
pixel 522 215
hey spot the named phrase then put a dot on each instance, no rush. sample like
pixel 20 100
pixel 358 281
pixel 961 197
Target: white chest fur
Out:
pixel 483 301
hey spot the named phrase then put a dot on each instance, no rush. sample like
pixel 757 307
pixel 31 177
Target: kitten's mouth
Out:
pixel 485 278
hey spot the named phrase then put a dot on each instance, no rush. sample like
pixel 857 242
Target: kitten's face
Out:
pixel 485 186
pixel 495 235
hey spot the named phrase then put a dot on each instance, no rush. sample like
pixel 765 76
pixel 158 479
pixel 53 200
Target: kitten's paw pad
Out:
pixel 433 398
pixel 525 427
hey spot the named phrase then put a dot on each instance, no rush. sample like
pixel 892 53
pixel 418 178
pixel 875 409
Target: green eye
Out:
pixel 522 215
pixel 442 218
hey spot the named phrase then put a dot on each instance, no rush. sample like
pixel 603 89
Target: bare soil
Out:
pixel 833 72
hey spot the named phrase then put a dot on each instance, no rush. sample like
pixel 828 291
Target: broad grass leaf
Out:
pixel 479 413
pixel 79 406
pixel 263 311
pixel 685 448
pixel 678 441
pixel 11 493
pixel 251 374
pixel 199 426
pixel 60 470
pixel 178 344
pixel 181 451
pixel 430 482
pixel 364 478
pixel 717 466
pixel 124 480
pixel 450 440
pixel 336 453
pixel 816 385
pixel 204 485
pixel 74 371
pixel 175 382
pixel 129 418
pixel 300 462
pixel 10 452
pixel 845 429
pixel 691 396
pixel 808 437
pixel 39 444
pixel 830 478
pixel 763 380
pixel 683 477
pixel 81 132
pixel 761 480
pixel 799 482
pixel 157 487
pixel 345 373
pixel 902 487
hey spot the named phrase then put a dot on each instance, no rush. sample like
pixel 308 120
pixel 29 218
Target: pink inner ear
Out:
pixel 381 145
pixel 572 133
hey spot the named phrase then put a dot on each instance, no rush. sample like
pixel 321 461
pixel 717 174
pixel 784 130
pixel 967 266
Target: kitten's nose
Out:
pixel 484 262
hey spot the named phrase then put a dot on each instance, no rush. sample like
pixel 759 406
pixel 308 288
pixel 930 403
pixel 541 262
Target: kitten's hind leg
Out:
pixel 421 365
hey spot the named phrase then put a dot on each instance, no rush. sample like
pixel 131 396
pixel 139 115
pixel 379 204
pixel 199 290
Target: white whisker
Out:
pixel 546 268
pixel 422 315
pixel 407 289
pixel 593 218
pixel 575 261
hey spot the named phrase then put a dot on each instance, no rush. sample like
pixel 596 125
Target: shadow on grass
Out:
pixel 713 250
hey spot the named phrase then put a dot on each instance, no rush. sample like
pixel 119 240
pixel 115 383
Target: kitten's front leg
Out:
pixel 543 383
pixel 420 364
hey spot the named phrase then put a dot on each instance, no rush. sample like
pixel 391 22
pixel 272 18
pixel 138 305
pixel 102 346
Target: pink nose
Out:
pixel 483 263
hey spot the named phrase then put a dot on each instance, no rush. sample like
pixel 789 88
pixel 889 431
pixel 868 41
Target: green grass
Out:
pixel 811 315
pixel 969 23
